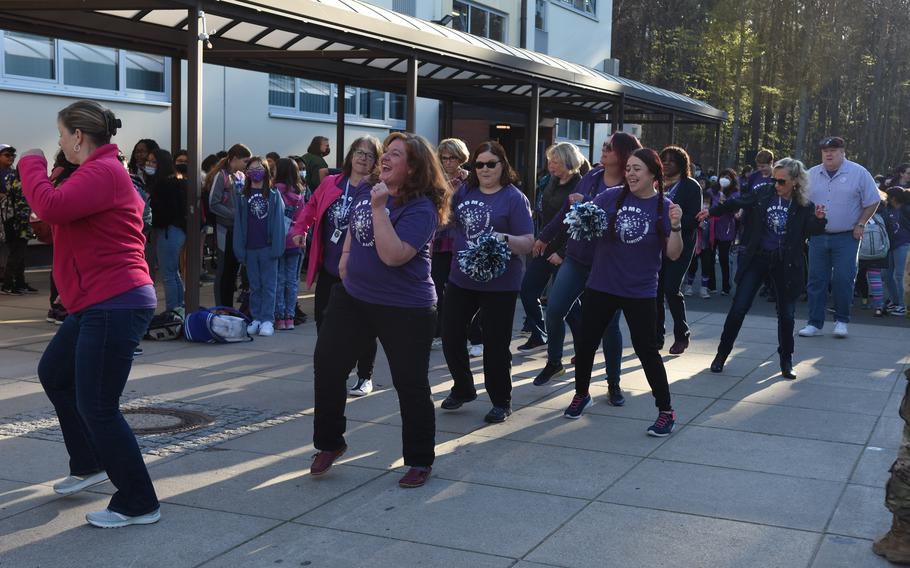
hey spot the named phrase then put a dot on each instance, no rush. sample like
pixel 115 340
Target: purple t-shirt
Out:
pixel 725 225
pixel 775 217
pixel 337 217
pixel 257 222
pixel 368 278
pixel 139 298
pixel 627 263
pixel 757 182
pixel 477 213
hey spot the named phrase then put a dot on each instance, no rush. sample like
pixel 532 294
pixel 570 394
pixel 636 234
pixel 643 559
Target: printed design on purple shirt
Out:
pixel 361 223
pixel 339 210
pixel 776 217
pixel 475 218
pixel 259 206
pixel 632 224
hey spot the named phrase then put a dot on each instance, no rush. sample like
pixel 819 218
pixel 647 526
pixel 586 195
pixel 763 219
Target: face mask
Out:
pixel 256 175
pixel 724 183
pixel 181 168
pixel 149 170
pixel 697 173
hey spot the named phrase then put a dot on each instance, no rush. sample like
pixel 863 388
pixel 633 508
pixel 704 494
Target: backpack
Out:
pixel 875 244
pixel 221 324
pixel 165 326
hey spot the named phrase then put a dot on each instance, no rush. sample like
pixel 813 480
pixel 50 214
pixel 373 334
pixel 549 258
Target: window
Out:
pixel 540 15
pixel 281 90
pixel 478 21
pixel 398 105
pixel 570 129
pixel 47 65
pixel 586 6
pixel 406 7
pixel 315 96
pixel 309 99
pixel 372 104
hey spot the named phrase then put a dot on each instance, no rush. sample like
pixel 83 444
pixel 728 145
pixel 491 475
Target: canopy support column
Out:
pixel 717 148
pixel 411 91
pixel 194 151
pixel 531 150
pixel 339 124
pixel 672 128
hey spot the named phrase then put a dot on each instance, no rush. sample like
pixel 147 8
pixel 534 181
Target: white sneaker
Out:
pixel 811 331
pixel 108 519
pixel 476 350
pixel 362 388
pixel 253 328
pixel 688 291
pixel 267 329
pixel 704 294
pixel 75 483
pixel 840 330
pixel 437 343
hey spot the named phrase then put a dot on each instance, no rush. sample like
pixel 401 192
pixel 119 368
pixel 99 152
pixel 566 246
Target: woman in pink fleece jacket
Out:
pixel 100 269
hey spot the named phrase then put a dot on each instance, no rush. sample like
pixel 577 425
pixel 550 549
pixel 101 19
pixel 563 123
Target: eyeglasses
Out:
pixel 481 165
pixel 779 181
pixel 448 158
pixel 363 154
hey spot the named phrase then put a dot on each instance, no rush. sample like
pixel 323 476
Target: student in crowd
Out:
pixel 181 163
pixel 259 239
pixel 139 156
pixel 315 166
pixel 327 217
pixel 704 253
pixel 223 182
pixel 62 170
pixel 644 230
pixel 686 192
pixel 488 202
pixel 452 153
pixel 724 226
pixel 565 297
pixel 272 159
pixel 386 293
pixel 167 198
pixel 104 282
pixel 761 177
pixel 850 197
pixel 15 214
pixel 290 186
pixel 776 227
pixel 897 212
pixel 563 162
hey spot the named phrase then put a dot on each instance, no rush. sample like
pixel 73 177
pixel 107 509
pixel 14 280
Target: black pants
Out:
pixel 671 276
pixel 14 278
pixel 406 334
pixel 498 313
pixel 226 273
pixel 706 259
pixel 439 270
pixel 324 285
pixel 597 312
pixel 722 250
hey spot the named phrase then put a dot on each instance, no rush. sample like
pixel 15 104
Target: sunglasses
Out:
pixel 448 158
pixel 481 165
pixel 779 181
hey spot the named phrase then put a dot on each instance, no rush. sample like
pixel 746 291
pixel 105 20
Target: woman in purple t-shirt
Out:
pixel 386 293
pixel 644 226
pixel 487 203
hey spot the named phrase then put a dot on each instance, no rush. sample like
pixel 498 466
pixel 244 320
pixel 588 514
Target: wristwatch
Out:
pixel 676 229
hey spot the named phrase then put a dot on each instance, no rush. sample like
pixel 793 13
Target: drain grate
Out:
pixel 147 421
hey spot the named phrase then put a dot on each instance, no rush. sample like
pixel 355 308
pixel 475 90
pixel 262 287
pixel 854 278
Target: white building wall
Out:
pixel 576 37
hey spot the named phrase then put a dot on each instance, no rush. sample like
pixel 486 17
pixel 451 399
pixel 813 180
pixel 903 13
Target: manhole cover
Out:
pixel 146 421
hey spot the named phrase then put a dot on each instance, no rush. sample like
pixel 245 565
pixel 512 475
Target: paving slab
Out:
pixel 861 513
pixel 466 516
pixel 639 404
pixel 767 453
pixel 808 393
pixel 840 355
pixel 32 461
pixel 297 545
pixel 887 433
pixel 762 498
pixel 809 372
pixel 617 535
pixel 18 397
pixel 19 364
pixel 250 391
pixel 692 363
pixel 16 497
pixel 873 467
pixel 844 552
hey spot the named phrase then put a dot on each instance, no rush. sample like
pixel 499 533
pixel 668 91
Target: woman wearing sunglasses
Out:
pixel 487 202
pixel 774 235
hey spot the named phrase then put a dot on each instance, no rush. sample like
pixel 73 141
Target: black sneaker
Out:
pixel 615 397
pixel 531 344
pixel 51 315
pixel 550 371
pixel 498 414
pixel 579 403
pixel 138 351
pixel 10 291
pixel 664 424
pixel 27 289
pixel 452 402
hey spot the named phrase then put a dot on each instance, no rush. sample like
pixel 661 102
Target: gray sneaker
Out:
pixel 108 519
pixel 75 483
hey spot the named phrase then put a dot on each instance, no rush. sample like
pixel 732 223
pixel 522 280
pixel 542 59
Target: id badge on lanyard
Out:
pixel 342 214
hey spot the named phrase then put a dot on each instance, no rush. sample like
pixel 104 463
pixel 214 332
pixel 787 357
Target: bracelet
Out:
pixel 676 229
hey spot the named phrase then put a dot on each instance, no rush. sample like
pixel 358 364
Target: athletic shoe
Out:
pixel 531 344
pixel 679 346
pixel 51 316
pixel 279 325
pixel 76 483
pixel 415 477
pixel 108 519
pixel 688 291
pixel 138 351
pixel 253 328
pixel 704 294
pixel 550 371
pixel 267 329
pixel 10 291
pixel 27 289
pixel 810 331
pixel 60 316
pixel 878 312
pixel 362 388
pixel 288 323
pixel 725 293
pixel 452 402
pixel 323 461
pixel 615 397
pixel 437 343
pixel 897 310
pixel 498 414
pixel 476 350
pixel 840 330
pixel 578 406
pixel 664 424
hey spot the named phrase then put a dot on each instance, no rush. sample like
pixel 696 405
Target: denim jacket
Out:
pixel 277 225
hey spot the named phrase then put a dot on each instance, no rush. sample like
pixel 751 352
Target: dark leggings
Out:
pixel 324 285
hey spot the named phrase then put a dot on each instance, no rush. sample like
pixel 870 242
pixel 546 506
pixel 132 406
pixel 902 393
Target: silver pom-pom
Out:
pixel 586 221
pixel 485 259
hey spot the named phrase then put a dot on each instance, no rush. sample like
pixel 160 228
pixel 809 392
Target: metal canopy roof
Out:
pixel 358 44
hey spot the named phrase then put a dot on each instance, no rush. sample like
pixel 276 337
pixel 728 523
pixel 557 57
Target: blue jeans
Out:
pixel 833 259
pixel 753 276
pixel 83 372
pixel 894 276
pixel 262 270
pixel 288 283
pixel 170 240
pixel 537 273
pixel 564 306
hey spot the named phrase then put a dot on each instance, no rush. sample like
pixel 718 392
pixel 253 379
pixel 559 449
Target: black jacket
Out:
pixel 801 224
pixel 552 200
pixel 168 202
pixel 688 197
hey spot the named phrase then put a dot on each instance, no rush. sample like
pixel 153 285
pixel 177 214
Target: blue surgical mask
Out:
pixel 149 170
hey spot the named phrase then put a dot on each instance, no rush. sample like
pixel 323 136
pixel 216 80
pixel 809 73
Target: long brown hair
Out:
pixel 266 181
pixel 373 145
pixel 652 161
pixel 427 177
pixel 235 151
